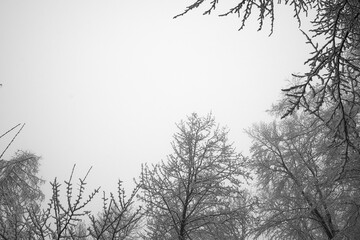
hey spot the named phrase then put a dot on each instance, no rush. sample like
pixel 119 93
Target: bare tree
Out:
pixel 22 217
pixel 65 218
pixel 59 220
pixel 196 193
pixel 119 218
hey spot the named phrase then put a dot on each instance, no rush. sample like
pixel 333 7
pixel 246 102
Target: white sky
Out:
pixel 102 83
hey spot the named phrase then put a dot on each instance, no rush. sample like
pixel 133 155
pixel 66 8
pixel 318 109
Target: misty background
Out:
pixel 102 83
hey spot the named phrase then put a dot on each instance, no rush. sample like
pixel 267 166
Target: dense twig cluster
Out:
pixel 196 193
pixel 300 197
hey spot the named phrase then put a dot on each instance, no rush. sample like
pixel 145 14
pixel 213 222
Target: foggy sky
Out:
pixel 102 83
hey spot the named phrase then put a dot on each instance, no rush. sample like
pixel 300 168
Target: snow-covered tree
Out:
pixel 300 195
pixel 196 193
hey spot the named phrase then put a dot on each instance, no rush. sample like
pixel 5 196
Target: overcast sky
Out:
pixel 102 83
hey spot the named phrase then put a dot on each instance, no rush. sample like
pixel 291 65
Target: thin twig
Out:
pixel 12 140
pixel 10 130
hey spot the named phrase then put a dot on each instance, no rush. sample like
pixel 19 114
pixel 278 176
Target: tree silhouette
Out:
pixel 196 193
